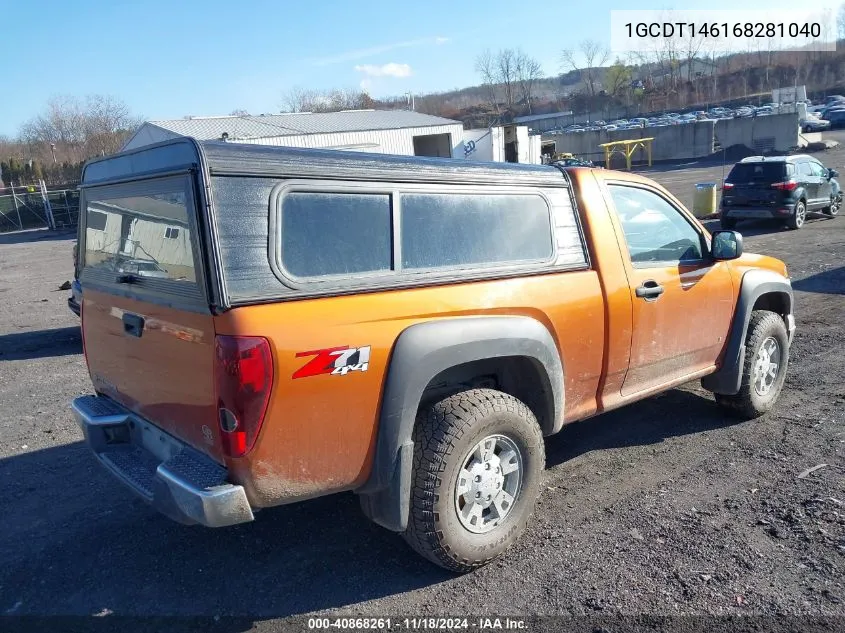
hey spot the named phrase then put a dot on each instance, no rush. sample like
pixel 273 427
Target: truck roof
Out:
pixel 221 157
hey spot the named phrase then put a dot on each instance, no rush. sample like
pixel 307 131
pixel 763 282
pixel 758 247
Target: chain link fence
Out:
pixel 36 207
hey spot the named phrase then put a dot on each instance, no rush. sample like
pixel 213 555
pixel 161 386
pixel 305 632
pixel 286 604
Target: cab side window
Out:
pixel 804 169
pixel 818 169
pixel 656 232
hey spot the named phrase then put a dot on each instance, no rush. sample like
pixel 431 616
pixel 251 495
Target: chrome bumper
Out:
pixel 177 480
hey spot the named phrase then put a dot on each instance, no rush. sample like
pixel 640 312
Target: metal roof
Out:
pixel 268 125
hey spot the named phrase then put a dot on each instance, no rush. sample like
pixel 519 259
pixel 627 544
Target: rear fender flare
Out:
pixel 422 352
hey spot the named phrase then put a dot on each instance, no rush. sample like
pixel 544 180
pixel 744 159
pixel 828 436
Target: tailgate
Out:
pixel 147 327
pixel 752 194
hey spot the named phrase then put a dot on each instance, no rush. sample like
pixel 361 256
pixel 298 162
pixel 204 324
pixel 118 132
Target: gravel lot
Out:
pixel 665 507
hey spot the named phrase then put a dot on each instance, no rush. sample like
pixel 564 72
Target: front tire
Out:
pixel 478 461
pixel 764 369
pixel 799 215
pixel 835 205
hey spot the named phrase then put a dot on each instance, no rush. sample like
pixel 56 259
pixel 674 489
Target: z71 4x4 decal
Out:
pixel 337 361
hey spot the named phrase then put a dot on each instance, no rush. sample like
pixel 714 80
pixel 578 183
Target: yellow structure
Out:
pixel 626 149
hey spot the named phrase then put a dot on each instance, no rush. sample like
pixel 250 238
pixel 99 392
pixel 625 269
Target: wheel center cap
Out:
pixel 765 361
pixel 487 481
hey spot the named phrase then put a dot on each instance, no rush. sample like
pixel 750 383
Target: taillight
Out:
pixel 728 185
pixel 243 377
pixel 788 185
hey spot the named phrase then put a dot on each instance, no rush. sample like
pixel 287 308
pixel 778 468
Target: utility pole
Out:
pixel 53 151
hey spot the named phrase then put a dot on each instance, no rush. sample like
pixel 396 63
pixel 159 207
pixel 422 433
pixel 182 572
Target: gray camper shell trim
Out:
pixel 234 183
pixel 233 159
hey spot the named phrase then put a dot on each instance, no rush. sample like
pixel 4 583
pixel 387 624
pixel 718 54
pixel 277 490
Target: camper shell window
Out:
pixel 140 228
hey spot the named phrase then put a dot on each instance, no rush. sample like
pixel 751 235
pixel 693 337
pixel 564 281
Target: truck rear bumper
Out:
pixel 177 480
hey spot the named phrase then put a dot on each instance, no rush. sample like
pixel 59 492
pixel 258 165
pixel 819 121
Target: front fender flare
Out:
pixel 755 284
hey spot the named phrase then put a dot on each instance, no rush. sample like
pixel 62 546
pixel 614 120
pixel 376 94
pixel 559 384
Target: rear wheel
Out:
pixel 727 223
pixel 799 215
pixel 764 369
pixel 835 205
pixel 478 461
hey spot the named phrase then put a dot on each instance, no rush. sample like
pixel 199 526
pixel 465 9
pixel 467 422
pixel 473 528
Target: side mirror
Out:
pixel 832 173
pixel 726 245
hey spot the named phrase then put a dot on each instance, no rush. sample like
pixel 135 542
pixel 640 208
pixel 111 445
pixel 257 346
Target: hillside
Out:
pixel 671 83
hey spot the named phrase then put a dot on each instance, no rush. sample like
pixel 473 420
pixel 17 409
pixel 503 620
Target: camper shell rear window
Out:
pixel 142 230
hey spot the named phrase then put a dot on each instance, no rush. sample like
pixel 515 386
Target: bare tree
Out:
pixel 485 65
pixel 506 61
pixel 528 71
pixel 239 112
pixel 296 99
pixel 618 78
pixel 594 54
pixel 105 122
pixel 692 45
pixel 73 129
pixel 334 100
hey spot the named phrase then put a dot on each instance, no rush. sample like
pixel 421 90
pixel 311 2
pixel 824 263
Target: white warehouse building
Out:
pixel 402 132
pixel 380 131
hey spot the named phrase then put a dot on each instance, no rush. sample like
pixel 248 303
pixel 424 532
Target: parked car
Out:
pixel 836 118
pixel 784 188
pixel 813 124
pixel 836 107
pixel 573 161
pixel 416 359
pixel 139 267
pixel 142 268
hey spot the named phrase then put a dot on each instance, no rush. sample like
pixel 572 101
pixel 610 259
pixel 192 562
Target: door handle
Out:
pixel 649 290
pixel 133 324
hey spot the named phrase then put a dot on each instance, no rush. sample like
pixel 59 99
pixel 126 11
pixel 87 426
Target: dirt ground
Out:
pixel 666 507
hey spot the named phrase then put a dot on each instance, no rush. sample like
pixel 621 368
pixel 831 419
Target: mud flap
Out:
pixel 389 506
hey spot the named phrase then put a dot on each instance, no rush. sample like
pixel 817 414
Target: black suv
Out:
pixel 782 187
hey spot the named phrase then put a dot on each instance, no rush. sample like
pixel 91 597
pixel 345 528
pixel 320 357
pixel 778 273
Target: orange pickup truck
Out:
pixel 408 329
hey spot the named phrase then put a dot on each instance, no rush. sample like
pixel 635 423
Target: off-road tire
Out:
pixel 798 217
pixel 729 224
pixel 748 404
pixel 443 436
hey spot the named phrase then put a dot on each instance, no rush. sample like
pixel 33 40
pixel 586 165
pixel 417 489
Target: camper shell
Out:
pixel 230 220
